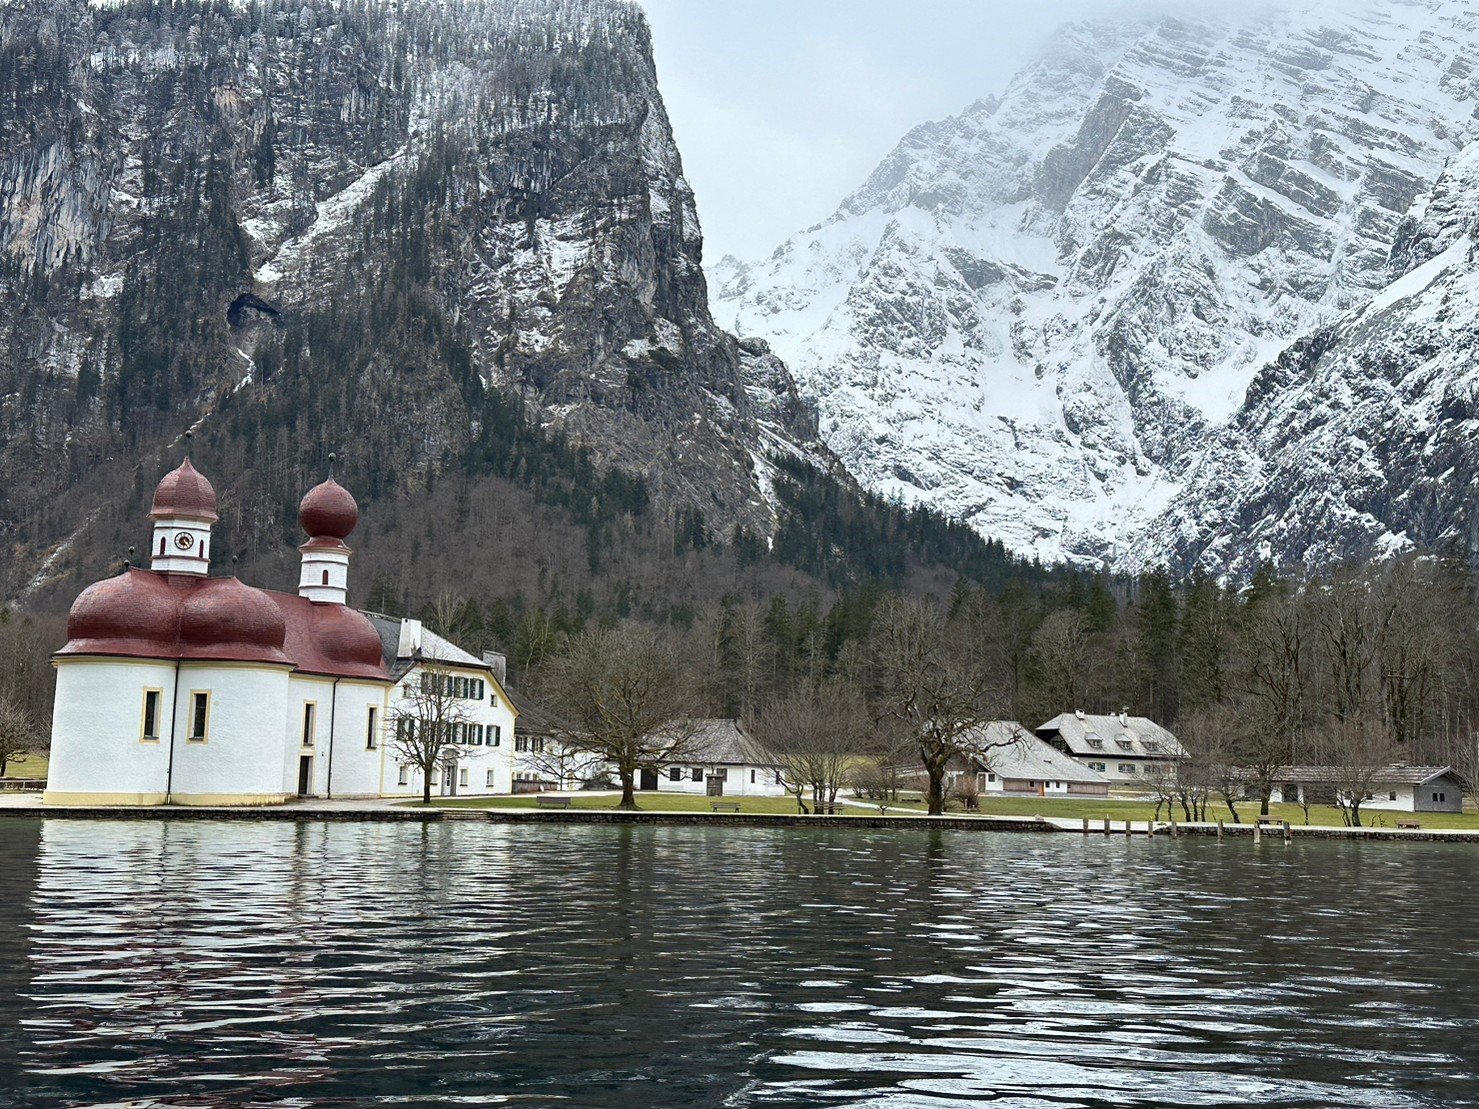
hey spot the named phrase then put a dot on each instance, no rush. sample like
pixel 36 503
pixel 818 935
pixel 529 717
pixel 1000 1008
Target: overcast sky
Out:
pixel 782 107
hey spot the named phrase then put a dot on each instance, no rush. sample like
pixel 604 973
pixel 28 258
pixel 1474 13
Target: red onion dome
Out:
pixel 347 639
pixel 136 614
pixel 184 492
pixel 224 619
pixel 328 511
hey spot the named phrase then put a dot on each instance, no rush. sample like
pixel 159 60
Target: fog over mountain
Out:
pixel 1044 314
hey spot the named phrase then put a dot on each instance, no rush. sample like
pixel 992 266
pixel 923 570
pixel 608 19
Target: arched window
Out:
pixel 326 577
pixel 161 546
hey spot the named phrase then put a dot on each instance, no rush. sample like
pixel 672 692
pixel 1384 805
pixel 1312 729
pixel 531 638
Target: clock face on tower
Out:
pixel 184 540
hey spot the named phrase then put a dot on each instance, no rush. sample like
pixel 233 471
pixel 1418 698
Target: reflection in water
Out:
pixel 193 963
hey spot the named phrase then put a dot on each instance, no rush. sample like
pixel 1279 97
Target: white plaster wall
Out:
pixel 737 782
pixel 96 727
pixel 346 766
pixel 195 560
pixel 311 582
pixel 243 752
pixel 302 689
pixel 492 709
pixel 1112 767
pixel 1051 787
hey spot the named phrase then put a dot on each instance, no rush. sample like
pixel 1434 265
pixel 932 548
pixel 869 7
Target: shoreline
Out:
pixel 363 812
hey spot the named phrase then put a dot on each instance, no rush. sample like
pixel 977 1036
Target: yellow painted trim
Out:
pixel 225 799
pixel 231 664
pixel 67 797
pixel 308 725
pixel 185 664
pixel 144 736
pixel 113 660
pixel 373 727
pixel 190 717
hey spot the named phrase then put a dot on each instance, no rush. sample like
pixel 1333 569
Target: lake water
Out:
pixel 223 964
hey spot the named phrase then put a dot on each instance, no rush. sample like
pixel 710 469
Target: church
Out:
pixel 179 687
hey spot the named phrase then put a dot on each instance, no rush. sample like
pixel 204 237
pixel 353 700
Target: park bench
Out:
pixel 1410 825
pixel 724 806
pixel 552 802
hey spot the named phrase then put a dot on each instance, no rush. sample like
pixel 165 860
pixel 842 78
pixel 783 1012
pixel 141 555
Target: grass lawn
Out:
pixel 32 766
pixel 1066 808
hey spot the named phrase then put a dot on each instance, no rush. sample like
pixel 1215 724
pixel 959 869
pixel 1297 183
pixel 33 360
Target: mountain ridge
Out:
pixel 1033 315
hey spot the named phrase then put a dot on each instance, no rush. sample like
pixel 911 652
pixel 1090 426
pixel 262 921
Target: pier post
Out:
pixel 1128 824
pixel 1175 831
pixel 1086 825
pixel 1288 835
pixel 1106 825
pixel 1219 829
pixel 1257 831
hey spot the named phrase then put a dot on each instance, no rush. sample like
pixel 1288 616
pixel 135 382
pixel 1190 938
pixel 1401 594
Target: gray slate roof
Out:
pixel 725 743
pixel 1397 774
pixel 433 648
pixel 1030 759
pixel 1146 738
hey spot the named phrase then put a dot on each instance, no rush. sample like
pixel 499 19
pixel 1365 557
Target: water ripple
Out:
pixel 199 964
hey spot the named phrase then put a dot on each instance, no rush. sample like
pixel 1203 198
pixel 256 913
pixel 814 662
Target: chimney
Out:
pixel 1078 713
pixel 1124 718
pixel 499 664
pixel 409 644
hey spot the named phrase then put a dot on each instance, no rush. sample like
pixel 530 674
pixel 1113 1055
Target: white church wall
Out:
pixel 349 766
pixel 240 759
pixel 99 754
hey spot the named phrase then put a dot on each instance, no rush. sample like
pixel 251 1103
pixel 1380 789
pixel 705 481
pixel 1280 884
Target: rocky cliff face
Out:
pixel 1041 315
pixel 313 225
pixel 1359 441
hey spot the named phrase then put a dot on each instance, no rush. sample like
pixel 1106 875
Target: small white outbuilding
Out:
pixel 1396 788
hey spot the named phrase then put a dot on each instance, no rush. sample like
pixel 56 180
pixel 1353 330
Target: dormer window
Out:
pixel 1125 744
pixel 1095 742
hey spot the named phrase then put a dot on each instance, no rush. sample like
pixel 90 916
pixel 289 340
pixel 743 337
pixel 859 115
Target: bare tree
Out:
pixel 625 695
pixel 18 734
pixel 426 723
pixel 451 616
pixel 1211 736
pixel 1162 782
pixel 935 685
pixel 815 734
pixel 1060 653
pixel 967 790
pixel 1357 750
pixel 1275 686
pixel 553 759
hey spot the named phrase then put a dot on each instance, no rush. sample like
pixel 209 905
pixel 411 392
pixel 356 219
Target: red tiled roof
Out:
pixel 330 639
pixel 144 614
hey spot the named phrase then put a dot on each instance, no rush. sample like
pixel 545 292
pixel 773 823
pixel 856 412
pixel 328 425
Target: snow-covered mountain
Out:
pixel 1040 315
pixel 1363 439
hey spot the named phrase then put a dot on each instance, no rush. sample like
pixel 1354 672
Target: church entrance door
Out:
pixel 305 775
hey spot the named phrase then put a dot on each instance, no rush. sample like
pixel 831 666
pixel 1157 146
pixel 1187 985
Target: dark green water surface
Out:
pixel 190 963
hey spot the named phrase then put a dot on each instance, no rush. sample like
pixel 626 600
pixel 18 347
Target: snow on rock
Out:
pixel 1040 315
pixel 1359 441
